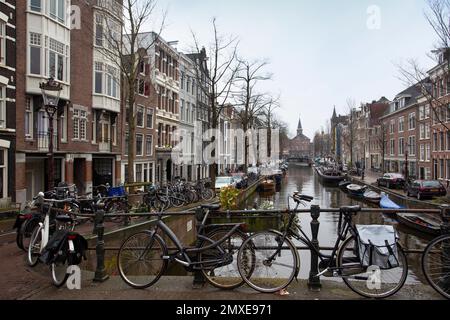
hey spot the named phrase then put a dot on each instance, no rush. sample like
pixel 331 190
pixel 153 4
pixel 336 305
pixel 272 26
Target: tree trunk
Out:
pixel 131 132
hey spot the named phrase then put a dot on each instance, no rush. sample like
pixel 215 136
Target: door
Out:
pixel 79 169
pixel 102 171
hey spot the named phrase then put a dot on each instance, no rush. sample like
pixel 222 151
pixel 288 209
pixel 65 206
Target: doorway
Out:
pixel 169 170
pixel 79 168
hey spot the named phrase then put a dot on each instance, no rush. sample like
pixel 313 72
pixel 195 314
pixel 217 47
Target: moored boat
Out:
pixel 344 184
pixel 267 185
pixel 386 203
pixel 372 196
pixel 420 223
pixel 356 190
pixel 330 175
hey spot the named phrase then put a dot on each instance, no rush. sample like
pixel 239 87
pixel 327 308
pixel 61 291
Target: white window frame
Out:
pixel 140 109
pixel 2 42
pixel 4 167
pixel 141 151
pixel 29 113
pixel 401 124
pixel 2 107
pixel 146 145
pixel 152 112
pixel 410 117
pixel 79 119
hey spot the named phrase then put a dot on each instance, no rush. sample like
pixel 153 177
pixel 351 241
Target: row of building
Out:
pixel 409 134
pixel 65 40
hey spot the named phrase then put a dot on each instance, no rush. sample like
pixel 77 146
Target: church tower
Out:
pixel 299 128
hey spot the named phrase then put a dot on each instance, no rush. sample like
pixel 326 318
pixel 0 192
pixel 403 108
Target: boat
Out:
pixel 330 175
pixel 278 177
pixel 421 224
pixel 372 196
pixel 356 190
pixel 344 184
pixel 267 185
pixel 386 203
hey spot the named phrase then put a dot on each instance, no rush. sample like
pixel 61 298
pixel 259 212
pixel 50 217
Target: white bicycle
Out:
pixel 41 235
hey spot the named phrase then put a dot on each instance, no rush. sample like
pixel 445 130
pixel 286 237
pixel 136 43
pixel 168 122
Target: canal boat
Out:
pixel 278 177
pixel 386 203
pixel 356 190
pixel 330 176
pixel 267 185
pixel 421 224
pixel 344 184
pixel 372 197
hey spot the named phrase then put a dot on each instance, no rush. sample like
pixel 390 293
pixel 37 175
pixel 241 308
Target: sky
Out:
pixel 321 52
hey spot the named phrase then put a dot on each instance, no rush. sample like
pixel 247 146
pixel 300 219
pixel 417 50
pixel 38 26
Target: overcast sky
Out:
pixel 321 52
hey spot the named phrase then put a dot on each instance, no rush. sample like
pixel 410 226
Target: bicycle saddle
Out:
pixel 351 209
pixel 211 207
pixel 64 219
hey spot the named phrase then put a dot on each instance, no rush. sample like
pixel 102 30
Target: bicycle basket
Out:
pixel 377 246
pixel 116 192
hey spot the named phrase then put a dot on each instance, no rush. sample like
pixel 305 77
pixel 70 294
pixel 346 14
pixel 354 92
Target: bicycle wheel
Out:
pixel 225 274
pixel 117 207
pixel 371 282
pixel 34 250
pixel 59 273
pixel 436 265
pixel 267 263
pixel 24 234
pixel 141 260
pixel 208 195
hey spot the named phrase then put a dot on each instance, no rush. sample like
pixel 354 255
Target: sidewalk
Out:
pixel 180 288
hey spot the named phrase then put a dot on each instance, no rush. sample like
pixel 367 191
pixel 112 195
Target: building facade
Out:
pixel 70 50
pixel 7 101
pixel 300 146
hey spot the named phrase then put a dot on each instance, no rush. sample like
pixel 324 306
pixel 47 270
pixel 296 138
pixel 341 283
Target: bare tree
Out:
pixel 380 139
pixel 122 41
pixel 438 16
pixel 269 120
pixel 350 137
pixel 250 104
pixel 215 77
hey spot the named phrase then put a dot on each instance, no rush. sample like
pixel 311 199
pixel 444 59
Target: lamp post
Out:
pixel 51 91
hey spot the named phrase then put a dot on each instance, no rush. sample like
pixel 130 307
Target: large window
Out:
pixel 35 5
pixel 412 146
pixel 107 33
pixel 149 145
pixel 412 121
pixel 392 147
pixel 140 116
pixel 57 10
pixel 139 145
pixel 442 140
pixel 79 124
pixel 56 60
pixel 35 53
pixel 139 172
pixel 2 107
pixel 106 80
pixel 401 147
pixel 28 119
pixel 2 42
pixel 149 118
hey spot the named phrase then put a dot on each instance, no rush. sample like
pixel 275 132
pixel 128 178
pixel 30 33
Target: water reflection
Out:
pixel 306 182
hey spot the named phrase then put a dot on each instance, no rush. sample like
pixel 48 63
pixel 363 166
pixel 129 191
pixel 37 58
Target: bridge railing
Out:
pixel 315 212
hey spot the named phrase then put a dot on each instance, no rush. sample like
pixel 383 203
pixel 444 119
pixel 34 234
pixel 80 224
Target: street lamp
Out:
pixel 51 91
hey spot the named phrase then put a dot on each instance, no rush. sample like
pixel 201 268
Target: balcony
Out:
pixel 104 146
pixel 43 141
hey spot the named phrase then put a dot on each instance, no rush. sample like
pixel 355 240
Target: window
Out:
pixel 3 173
pixel 127 142
pixel 149 145
pixel 392 147
pixel 140 116
pixel 392 126
pixel 98 31
pixel 421 112
pixel 422 152
pixel 422 131
pixel 427 112
pixel 412 146
pixel 442 140
pixel 57 10
pixel 442 171
pixel 401 124
pixel 149 118
pixel 56 60
pixel 79 124
pixel 28 119
pixel 35 5
pixel 35 53
pixel 401 146
pixel 106 80
pixel 63 121
pixel 435 141
pixel 428 152
pixel 412 121
pixel 2 42
pixel 427 131
pixel 2 107
pixel 139 172
pixel 139 145
pixel 98 77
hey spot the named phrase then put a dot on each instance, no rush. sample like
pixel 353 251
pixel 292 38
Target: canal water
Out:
pixel 304 180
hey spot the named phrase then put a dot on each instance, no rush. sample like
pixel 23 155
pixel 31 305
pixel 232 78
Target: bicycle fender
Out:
pixel 297 255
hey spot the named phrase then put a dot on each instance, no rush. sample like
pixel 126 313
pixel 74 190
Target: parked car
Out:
pixel 391 181
pixel 222 182
pixel 426 188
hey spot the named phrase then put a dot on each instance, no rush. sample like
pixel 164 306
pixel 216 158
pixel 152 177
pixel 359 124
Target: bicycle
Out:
pixel 144 257
pixel 278 262
pixel 41 236
pixel 436 265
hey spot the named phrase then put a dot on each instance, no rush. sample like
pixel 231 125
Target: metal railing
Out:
pixel 315 212
pixel 43 140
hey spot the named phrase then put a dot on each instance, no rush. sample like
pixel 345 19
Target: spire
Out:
pixel 299 128
pixel 334 113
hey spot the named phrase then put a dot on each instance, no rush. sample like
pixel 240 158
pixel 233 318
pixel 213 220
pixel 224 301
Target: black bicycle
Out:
pixel 278 262
pixel 144 257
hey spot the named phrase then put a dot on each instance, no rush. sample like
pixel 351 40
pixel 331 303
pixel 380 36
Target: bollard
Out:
pixel 99 230
pixel 314 280
pixel 199 279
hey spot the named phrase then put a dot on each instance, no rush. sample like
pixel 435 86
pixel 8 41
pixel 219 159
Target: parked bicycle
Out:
pixel 436 265
pixel 277 261
pixel 144 257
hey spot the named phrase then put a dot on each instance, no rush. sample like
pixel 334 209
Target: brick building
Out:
pixel 7 100
pixel 403 132
pixel 71 50
pixel 300 146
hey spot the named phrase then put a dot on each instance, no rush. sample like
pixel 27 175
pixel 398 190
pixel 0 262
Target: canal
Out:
pixel 304 180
